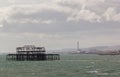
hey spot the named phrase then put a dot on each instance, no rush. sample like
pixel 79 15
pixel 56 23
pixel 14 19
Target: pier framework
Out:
pixel 31 53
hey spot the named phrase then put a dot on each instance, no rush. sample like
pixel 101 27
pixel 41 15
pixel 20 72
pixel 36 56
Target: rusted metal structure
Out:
pixel 31 53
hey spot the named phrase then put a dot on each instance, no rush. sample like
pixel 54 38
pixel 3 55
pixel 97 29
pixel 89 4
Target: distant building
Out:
pixel 32 53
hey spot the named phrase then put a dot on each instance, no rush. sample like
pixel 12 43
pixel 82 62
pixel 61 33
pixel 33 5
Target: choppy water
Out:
pixel 68 66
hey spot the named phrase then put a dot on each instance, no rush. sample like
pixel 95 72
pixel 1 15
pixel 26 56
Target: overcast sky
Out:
pixel 58 24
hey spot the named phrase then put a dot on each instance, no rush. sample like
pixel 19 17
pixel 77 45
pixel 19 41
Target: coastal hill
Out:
pixel 90 50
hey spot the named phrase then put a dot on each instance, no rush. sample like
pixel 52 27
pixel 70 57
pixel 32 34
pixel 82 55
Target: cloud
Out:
pixel 1 25
pixel 73 10
pixel 31 21
pixel 86 15
pixel 60 12
pixel 32 14
pixel 112 15
pixel 93 10
pixel 12 1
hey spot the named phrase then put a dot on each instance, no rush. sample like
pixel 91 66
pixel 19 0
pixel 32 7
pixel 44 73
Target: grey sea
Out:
pixel 70 65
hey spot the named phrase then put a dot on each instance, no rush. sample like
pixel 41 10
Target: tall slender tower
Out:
pixel 78 49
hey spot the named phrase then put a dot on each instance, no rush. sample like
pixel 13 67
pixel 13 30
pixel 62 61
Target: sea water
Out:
pixel 70 65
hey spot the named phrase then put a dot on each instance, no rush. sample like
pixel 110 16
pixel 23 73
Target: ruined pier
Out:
pixel 31 53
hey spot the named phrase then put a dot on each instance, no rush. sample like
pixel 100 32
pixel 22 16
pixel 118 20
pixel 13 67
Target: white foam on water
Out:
pixel 94 71
pixel 92 62
pixel 103 74
pixel 91 66
pixel 97 72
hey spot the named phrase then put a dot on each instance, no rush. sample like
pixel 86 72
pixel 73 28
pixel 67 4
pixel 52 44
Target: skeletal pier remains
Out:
pixel 31 53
